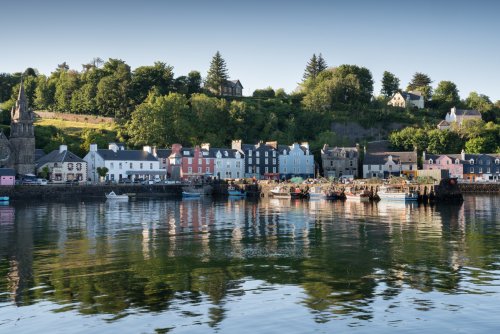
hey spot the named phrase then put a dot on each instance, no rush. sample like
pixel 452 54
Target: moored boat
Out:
pixel 357 195
pixel 191 194
pixel 280 192
pixel 388 193
pixel 236 192
pixel 4 198
pixel 113 195
pixel 316 193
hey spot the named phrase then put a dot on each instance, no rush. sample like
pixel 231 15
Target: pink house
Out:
pixel 451 162
pixel 7 177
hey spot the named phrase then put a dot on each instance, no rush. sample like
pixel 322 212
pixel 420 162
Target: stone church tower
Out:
pixel 22 136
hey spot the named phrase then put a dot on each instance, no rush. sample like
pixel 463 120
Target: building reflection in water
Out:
pixel 148 253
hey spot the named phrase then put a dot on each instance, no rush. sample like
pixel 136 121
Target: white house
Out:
pixel 63 165
pixel 381 163
pixel 122 163
pixel 407 100
pixel 461 115
pixel 229 163
pixel 295 160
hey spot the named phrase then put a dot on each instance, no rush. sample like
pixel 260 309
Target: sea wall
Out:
pixel 479 187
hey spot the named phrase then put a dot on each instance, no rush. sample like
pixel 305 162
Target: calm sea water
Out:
pixel 198 266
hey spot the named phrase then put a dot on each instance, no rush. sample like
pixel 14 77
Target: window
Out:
pixel 257 161
pixel 480 170
pixel 190 170
pixel 199 169
pixel 120 166
pixel 266 161
pixel 274 153
pixel 141 166
pixel 250 160
pixel 457 161
pixel 284 170
pixel 274 169
pixel 249 153
pixel 199 162
pixel 79 166
pixel 266 170
pixel 472 169
pixel 207 170
pixel 257 170
pixel 480 162
pixel 257 153
pixel 331 163
pixel 471 161
pixel 238 164
pixel 112 165
pixel 497 161
pixel 274 161
pixel 350 163
pixel 131 166
pixel 190 161
pixel 70 166
pixel 488 170
pixel 151 165
pixel 266 153
pixel 431 161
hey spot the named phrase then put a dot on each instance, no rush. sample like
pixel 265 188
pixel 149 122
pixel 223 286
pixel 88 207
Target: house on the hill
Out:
pixel 232 88
pixel 459 116
pixel 407 100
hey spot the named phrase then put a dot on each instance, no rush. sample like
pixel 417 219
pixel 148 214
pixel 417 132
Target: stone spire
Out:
pixel 20 111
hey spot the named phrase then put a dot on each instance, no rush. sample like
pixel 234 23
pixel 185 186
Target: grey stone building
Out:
pixel 340 161
pixel 18 152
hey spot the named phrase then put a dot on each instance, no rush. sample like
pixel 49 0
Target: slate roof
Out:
pixel 7 172
pixel 443 123
pixel 380 158
pixel 233 83
pixel 57 156
pixel 411 96
pixel 467 112
pixel 330 151
pixel 163 153
pixel 126 155
pixel 39 153
pixel 231 154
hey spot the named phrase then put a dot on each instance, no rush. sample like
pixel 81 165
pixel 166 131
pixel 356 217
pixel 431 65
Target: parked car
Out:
pixel 42 182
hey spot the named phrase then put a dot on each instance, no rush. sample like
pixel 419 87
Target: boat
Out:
pixel 233 191
pixel 280 192
pixel 316 193
pixel 113 195
pixel 4 198
pixel 297 193
pixel 334 195
pixel 191 194
pixel 388 193
pixel 357 195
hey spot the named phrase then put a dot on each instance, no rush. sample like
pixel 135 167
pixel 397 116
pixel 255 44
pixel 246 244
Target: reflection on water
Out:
pixel 295 265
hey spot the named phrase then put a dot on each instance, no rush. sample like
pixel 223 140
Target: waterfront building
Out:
pixel 295 160
pixel 451 162
pixel 407 100
pixel 7 177
pixel 196 163
pixel 18 152
pixel 339 161
pixel 228 163
pixel 63 165
pixel 380 162
pixel 123 164
pixel 261 159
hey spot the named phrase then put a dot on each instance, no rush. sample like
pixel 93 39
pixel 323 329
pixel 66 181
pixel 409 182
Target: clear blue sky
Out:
pixel 264 43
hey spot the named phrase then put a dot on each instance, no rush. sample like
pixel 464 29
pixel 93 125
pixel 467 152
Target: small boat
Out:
pixel 297 193
pixel 4 198
pixel 388 193
pixel 112 195
pixel 280 192
pixel 357 195
pixel 233 191
pixel 316 193
pixel 334 195
pixel 190 194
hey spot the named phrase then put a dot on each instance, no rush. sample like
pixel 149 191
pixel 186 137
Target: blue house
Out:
pixel 295 160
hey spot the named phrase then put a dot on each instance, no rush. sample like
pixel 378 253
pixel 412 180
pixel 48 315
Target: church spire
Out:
pixel 20 111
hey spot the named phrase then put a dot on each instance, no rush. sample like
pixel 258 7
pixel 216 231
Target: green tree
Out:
pixel 314 67
pixel 267 93
pixel 390 84
pixel 66 84
pixel 194 82
pixel 102 171
pixel 217 74
pixel 479 102
pixel 144 78
pixel 421 83
pixel 44 93
pixel 446 95
pixel 441 142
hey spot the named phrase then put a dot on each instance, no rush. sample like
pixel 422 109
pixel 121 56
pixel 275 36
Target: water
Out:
pixel 201 266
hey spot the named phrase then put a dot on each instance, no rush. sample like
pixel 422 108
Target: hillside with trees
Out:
pixel 151 105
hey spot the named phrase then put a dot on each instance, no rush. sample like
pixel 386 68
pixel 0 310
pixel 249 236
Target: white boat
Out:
pixel 280 192
pixel 4 198
pixel 388 193
pixel 316 193
pixel 191 194
pixel 112 195
pixel 357 195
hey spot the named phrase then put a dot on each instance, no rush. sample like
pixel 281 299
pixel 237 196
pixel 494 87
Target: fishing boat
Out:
pixel 334 195
pixel 4 198
pixel 233 191
pixel 191 194
pixel 316 193
pixel 280 192
pixel 297 193
pixel 113 195
pixel 388 193
pixel 357 195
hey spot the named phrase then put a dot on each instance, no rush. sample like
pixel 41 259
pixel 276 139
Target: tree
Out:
pixel 102 171
pixel 446 94
pixel 217 74
pixel 479 102
pixel 314 67
pixel 390 84
pixel 44 93
pixel 144 78
pixel 194 82
pixel 421 83
pixel 44 173
pixel 267 93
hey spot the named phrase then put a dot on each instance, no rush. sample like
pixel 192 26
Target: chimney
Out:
pixel 273 144
pixel 113 147
pixel 236 145
pixel 63 148
pixel 147 148
pixel 423 156
pixel 462 155
pixel 93 147
pixel 154 152
pixel 205 146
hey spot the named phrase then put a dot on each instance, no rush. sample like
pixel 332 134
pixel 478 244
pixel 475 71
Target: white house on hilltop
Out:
pixel 407 100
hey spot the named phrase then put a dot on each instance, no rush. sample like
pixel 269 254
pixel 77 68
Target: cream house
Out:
pixel 63 165
pixel 407 100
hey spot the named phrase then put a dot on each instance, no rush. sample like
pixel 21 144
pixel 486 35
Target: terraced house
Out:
pixel 340 161
pixel 295 160
pixel 261 159
pixel 63 165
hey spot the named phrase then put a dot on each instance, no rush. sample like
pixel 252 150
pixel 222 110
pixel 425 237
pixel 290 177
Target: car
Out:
pixel 42 182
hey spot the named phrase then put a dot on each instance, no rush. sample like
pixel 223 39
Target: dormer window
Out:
pixel 471 161
pixel 186 152
pixel 457 162
pixel 497 161
pixel 225 153
pixel 431 161
pixel 284 152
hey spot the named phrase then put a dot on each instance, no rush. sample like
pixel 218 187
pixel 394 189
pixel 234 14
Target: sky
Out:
pixel 264 43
